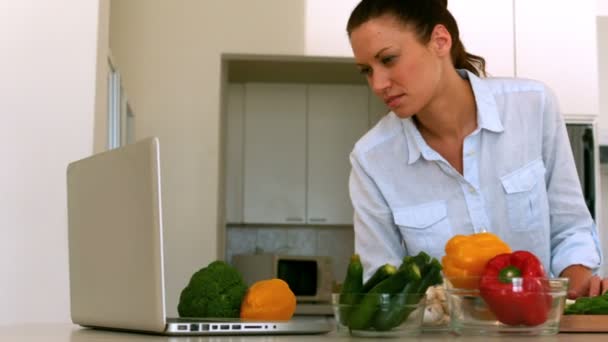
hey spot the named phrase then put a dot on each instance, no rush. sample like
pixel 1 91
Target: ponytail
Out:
pixel 464 60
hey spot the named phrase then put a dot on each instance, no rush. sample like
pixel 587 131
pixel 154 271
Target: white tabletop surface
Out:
pixel 73 333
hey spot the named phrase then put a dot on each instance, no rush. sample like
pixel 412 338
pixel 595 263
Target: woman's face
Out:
pixel 403 72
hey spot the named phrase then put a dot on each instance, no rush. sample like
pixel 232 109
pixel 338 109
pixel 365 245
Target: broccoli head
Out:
pixel 214 291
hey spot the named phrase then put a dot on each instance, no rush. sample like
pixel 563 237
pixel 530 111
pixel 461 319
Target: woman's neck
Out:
pixel 452 113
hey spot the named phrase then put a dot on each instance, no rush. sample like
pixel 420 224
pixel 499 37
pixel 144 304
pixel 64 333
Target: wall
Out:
pixel 602 7
pixel 100 132
pixel 168 53
pixel 47 101
pixel 326 27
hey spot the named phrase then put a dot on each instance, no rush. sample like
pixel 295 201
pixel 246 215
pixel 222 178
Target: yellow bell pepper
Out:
pixel 466 256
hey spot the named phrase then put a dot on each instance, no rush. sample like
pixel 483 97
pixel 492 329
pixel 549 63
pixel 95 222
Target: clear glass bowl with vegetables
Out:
pixel 528 306
pixel 391 302
pixel 379 314
pixel 436 317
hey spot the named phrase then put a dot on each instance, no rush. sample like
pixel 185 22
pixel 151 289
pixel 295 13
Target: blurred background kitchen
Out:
pixel 256 104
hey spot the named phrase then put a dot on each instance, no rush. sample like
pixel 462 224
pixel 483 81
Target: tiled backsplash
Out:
pixel 336 242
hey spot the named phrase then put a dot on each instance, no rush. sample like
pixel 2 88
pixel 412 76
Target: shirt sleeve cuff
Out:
pixel 576 251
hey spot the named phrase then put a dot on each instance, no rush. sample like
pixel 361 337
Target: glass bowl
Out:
pixel 529 306
pixel 436 317
pixel 378 314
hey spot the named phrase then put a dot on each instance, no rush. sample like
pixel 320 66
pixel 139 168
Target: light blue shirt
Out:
pixel 519 181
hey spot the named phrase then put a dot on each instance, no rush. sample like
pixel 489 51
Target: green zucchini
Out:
pixel 351 288
pixel 401 305
pixel 390 316
pixel 381 273
pixel 421 259
pixel 362 315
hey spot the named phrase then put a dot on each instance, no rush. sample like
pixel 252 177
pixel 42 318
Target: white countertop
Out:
pixel 73 333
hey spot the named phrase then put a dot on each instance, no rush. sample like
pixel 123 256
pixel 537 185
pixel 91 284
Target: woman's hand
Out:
pixel 583 283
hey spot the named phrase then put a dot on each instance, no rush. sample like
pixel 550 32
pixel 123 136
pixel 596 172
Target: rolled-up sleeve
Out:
pixel 377 240
pixel 574 238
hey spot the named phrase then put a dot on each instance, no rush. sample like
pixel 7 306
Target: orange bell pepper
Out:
pixel 466 257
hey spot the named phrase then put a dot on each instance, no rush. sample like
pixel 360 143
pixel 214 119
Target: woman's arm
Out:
pixel 377 240
pixel 575 249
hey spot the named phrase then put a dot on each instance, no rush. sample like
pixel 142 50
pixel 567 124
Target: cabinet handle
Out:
pixel 294 219
pixel 319 219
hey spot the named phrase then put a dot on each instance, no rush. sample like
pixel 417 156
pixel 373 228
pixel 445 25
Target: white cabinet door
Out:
pixel 337 118
pixel 556 44
pixel 235 103
pixel 275 153
pixel 486 30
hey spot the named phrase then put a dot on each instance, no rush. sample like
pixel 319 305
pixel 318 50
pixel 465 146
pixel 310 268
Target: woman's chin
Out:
pixel 403 114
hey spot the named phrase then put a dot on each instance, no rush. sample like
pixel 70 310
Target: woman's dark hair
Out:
pixel 423 16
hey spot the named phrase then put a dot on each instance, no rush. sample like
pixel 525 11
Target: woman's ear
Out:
pixel 441 40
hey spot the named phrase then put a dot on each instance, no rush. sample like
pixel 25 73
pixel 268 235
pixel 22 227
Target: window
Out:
pixel 121 120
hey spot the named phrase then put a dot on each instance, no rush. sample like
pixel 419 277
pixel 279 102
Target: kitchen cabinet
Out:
pixel 556 42
pixel 486 29
pixel 274 153
pixel 291 151
pixel 235 103
pixel 337 118
pixel 551 41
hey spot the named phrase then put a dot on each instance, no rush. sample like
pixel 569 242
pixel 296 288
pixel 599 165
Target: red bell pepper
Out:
pixel 514 287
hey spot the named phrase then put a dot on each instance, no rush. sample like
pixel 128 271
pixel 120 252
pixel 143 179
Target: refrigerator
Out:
pixel 583 150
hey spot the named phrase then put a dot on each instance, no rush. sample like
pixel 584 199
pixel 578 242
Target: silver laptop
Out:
pixel 115 235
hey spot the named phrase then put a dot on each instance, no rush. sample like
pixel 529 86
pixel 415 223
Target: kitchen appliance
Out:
pixel 583 150
pixel 309 277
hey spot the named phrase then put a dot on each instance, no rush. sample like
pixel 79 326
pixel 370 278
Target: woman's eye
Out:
pixel 365 71
pixel 387 59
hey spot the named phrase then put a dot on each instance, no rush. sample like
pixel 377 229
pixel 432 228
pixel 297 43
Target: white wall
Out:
pixel 47 91
pixel 168 53
pixel 326 27
pixel 602 7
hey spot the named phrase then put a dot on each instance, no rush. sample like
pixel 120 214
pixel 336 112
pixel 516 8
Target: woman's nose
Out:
pixel 379 82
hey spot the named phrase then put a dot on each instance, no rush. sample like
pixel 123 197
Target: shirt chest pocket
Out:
pixel 524 189
pixel 424 227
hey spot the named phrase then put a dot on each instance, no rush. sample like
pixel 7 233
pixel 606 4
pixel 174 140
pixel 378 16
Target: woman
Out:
pixel 460 154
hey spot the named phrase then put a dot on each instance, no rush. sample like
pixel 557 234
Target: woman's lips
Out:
pixel 393 101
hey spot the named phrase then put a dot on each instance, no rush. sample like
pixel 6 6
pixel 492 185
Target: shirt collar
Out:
pixel 488 118
pixel 487 110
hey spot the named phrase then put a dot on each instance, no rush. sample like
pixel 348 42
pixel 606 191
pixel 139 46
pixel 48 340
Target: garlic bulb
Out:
pixel 436 310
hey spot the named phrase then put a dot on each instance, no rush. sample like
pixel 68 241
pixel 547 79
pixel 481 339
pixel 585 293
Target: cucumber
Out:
pixel 351 288
pixel 432 277
pixel 362 315
pixel 389 317
pixel 422 259
pixel 400 306
pixel 381 273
